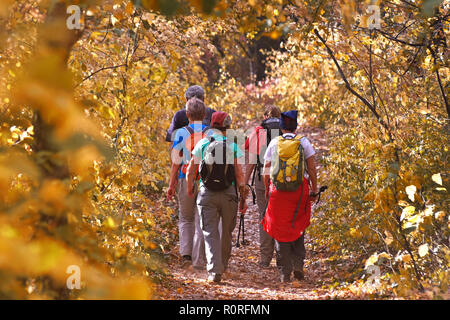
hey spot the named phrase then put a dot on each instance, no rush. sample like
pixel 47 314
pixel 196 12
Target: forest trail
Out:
pixel 244 279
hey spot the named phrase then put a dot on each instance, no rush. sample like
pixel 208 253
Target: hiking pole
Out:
pixel 241 226
pixel 239 233
pixel 253 193
pixel 322 189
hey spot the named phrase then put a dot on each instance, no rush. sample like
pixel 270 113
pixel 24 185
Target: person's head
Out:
pixel 220 121
pixel 195 91
pixel 288 121
pixel 195 109
pixel 271 111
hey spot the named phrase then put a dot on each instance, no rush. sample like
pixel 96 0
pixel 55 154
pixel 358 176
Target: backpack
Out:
pixel 272 127
pixel 288 164
pixel 215 173
pixel 194 137
pixel 288 168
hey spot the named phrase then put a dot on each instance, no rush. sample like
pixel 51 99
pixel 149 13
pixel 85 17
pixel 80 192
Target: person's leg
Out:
pixel 298 256
pixel 208 208
pixel 266 242
pixel 283 257
pixel 198 247
pixel 228 212
pixel 186 221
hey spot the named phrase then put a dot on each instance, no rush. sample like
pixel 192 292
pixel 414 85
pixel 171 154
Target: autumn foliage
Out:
pixel 84 112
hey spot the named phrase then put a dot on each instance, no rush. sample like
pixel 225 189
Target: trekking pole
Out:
pixel 253 193
pixel 239 234
pixel 322 189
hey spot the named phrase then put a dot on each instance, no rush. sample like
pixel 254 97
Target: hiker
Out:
pixel 192 246
pixel 289 163
pixel 256 145
pixel 180 119
pixel 222 179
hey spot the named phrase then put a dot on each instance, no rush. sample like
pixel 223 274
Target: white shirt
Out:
pixel 272 147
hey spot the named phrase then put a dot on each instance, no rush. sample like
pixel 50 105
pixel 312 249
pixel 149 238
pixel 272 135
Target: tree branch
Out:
pixel 348 86
pixel 390 37
pixel 444 97
pixel 99 70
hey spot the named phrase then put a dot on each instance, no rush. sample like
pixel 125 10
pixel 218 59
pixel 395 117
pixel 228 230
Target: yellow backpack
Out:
pixel 288 164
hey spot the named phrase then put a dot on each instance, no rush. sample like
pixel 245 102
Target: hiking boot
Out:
pixel 299 275
pixel 187 261
pixel 214 277
pixel 285 278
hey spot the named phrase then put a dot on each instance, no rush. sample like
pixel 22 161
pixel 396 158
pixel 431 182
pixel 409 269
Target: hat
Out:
pixel 220 120
pixel 195 91
pixel 288 120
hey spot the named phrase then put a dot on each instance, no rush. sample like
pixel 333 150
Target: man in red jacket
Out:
pixel 281 221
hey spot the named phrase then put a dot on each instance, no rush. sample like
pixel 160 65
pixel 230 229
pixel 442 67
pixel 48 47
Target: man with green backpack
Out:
pixel 222 181
pixel 289 164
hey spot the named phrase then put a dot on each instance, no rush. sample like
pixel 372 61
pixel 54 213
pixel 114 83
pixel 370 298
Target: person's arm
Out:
pixel 176 156
pixel 267 164
pixel 248 172
pixel 241 185
pixel 190 174
pixel 173 180
pixel 312 172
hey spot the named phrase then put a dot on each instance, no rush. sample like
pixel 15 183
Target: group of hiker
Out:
pixel 211 173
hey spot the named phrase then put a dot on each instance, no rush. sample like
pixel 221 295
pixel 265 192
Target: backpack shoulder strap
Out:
pixel 205 129
pixel 189 129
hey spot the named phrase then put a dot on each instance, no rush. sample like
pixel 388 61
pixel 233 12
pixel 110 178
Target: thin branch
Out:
pixel 444 97
pixel 370 71
pixel 99 70
pixel 413 60
pixel 348 86
pixel 391 37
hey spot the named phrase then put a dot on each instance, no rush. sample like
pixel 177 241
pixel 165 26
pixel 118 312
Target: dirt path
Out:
pixel 244 279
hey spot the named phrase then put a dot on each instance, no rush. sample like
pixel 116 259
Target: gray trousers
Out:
pixel 266 242
pixel 190 234
pixel 290 255
pixel 214 206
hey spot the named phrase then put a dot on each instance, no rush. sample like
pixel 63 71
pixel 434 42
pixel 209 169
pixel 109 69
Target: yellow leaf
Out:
pixel 129 8
pixel 423 250
pixel 407 212
pixel 372 260
pixel 437 178
pixel 114 20
pixel 109 223
pixel 439 215
pixel 403 203
pixel 406 258
pixel 410 191
pixel 389 238
pixel 384 255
